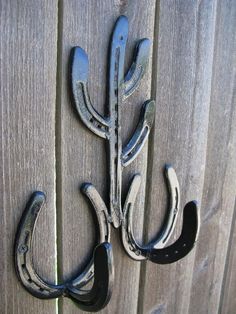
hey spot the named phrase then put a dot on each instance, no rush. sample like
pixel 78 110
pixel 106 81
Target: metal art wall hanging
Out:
pixel 109 128
pixel 101 266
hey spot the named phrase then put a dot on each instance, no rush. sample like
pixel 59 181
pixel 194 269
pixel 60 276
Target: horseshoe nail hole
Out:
pixel 23 265
pixel 41 289
pixel 131 248
pixel 91 120
pixel 99 126
pixel 116 107
pixel 176 252
pixel 23 249
pixel 30 280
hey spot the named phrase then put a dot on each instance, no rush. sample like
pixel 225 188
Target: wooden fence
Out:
pixel 44 146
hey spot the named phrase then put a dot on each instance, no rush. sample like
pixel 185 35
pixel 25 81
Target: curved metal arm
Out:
pixel 91 118
pixel 34 284
pixel 138 67
pixel 23 252
pixel 104 230
pixel 137 141
pixel 97 298
pixel 185 242
pixel 154 251
pixel 174 203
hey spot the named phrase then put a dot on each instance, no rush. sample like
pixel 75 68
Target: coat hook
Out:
pixel 101 266
pixel 109 127
pixel 156 251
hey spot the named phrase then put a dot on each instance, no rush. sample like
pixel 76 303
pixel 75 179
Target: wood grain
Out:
pixel 196 132
pixel 27 98
pixel 228 288
pixel 218 202
pixel 45 146
pixel 89 25
pixel 185 48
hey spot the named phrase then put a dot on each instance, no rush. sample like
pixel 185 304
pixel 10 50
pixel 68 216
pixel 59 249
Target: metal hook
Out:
pixel 156 250
pixel 109 127
pixel 100 294
pixel 101 266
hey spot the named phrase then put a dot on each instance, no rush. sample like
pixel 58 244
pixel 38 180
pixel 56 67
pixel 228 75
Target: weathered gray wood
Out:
pixel 185 48
pixel 89 25
pixel 218 201
pixel 228 301
pixel 193 80
pixel 27 98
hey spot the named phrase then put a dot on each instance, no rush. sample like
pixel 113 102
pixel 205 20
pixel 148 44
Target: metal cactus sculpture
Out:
pixel 101 265
pixel 120 87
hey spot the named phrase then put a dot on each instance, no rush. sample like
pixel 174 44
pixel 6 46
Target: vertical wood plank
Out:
pixel 27 98
pixel 89 25
pixel 218 201
pixel 228 302
pixel 185 48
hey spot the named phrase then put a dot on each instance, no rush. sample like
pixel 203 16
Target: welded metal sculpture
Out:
pixel 121 87
pixel 109 127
